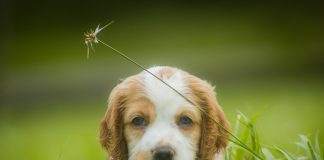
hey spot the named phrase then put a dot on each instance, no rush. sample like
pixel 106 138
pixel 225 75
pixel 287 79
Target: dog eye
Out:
pixel 139 122
pixel 185 121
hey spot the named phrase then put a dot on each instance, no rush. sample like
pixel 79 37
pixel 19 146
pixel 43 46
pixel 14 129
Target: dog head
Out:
pixel 146 120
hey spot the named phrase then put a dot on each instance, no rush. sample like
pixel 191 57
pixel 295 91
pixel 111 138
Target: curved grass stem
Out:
pixel 92 38
pixel 237 142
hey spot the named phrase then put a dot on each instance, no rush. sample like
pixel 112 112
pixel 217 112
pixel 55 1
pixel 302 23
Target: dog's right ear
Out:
pixel 214 136
pixel 111 127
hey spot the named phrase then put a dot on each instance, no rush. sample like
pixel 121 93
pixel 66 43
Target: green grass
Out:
pixel 309 147
pixel 63 134
pixel 68 131
pixel 73 134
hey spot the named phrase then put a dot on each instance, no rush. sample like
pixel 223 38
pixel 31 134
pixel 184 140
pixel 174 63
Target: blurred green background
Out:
pixel 265 58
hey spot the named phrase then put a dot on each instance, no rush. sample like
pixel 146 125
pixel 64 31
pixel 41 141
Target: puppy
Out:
pixel 146 120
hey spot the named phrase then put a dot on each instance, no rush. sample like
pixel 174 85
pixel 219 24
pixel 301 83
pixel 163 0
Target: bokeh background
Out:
pixel 265 58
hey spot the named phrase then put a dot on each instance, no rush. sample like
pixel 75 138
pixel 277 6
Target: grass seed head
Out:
pixel 91 37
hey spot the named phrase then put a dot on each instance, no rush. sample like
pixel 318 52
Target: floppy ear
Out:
pixel 213 137
pixel 111 127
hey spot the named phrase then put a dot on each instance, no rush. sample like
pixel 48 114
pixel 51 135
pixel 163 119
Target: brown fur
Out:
pixel 192 132
pixel 166 72
pixel 212 136
pixel 111 126
pixel 139 105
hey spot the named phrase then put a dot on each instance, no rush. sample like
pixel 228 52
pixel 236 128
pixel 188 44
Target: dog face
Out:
pixel 146 120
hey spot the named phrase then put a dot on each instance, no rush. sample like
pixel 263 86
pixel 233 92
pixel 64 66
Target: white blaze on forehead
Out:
pixel 159 93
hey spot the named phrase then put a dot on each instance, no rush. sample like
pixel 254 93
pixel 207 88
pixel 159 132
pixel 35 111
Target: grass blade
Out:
pixel 286 154
pixel 311 150
pixel 187 99
pixel 256 146
pixel 247 149
pixel 318 148
pixel 268 155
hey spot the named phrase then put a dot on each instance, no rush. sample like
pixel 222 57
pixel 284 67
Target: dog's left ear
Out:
pixel 213 138
pixel 111 127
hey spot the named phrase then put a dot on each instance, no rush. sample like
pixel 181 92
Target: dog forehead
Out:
pixel 162 96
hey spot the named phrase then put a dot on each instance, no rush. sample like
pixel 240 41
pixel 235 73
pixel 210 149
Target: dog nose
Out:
pixel 163 153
